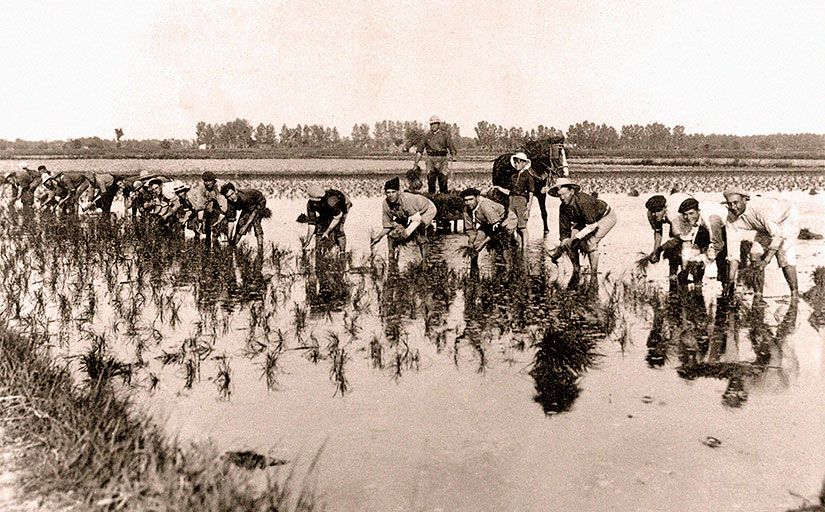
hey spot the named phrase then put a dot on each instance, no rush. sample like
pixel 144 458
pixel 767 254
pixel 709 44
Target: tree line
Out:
pixel 400 136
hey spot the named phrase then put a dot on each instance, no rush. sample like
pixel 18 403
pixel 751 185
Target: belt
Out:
pixel 434 152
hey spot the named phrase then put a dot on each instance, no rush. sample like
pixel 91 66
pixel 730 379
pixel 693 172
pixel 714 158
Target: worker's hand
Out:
pixel 654 257
pixel 496 227
pixel 567 243
pixel 760 264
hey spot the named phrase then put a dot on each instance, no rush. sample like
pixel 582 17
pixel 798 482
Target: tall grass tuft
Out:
pixel 88 449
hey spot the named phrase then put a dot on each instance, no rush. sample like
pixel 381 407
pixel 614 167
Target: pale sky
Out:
pixel 71 69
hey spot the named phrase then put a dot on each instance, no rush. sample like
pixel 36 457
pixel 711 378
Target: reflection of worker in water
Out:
pixel 405 217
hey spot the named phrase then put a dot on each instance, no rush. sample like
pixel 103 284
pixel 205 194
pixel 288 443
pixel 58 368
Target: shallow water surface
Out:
pixel 437 388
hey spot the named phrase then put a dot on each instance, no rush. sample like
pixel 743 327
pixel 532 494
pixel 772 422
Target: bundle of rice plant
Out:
pixel 642 263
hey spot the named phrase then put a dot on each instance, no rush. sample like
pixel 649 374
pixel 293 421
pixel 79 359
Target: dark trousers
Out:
pixel 432 177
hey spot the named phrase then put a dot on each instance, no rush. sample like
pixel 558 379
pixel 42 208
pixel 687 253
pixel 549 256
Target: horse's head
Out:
pixel 545 154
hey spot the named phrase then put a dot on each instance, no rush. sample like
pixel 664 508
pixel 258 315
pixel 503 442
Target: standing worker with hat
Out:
pixel 521 189
pixel 438 143
pixel 583 221
pixel 405 216
pixel 776 224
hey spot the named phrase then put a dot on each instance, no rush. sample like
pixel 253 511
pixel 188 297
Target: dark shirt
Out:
pixel 247 200
pixel 322 211
pixel 522 184
pixel 583 209
pixel 437 142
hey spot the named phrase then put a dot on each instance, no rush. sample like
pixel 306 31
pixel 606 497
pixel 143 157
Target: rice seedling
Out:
pixel 223 379
pixel 376 350
pixel 299 320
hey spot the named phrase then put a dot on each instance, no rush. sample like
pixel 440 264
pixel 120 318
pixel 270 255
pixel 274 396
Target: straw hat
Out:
pixel 736 191
pixel 435 119
pixel 520 156
pixel 563 182
pixel 315 191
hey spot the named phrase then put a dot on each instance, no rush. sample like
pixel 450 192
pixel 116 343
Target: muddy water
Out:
pixel 459 427
pixel 419 389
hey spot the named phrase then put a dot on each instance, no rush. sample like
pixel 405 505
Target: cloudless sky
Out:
pixel 71 69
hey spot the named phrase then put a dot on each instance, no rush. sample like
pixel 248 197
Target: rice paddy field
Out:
pixel 437 387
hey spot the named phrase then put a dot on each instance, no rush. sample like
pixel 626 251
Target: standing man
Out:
pixel 521 194
pixel 327 212
pixel 247 207
pixel 405 216
pixel 776 224
pixel 583 221
pixel 487 223
pixel 438 143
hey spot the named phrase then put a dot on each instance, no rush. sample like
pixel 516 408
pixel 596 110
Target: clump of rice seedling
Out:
pixel 223 379
pixel 376 351
pixel 642 263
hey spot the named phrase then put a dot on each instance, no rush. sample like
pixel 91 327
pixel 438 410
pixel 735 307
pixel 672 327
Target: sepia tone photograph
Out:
pixel 412 256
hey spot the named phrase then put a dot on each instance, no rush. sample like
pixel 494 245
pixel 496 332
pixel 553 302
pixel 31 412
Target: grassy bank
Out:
pixel 87 449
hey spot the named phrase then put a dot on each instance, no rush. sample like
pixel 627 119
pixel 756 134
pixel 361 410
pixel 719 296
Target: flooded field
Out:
pixel 434 387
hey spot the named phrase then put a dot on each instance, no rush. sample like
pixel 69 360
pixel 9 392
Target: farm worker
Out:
pixel 405 216
pixel 160 198
pixel 209 204
pixel 775 223
pixel 487 223
pixel 136 196
pixel 540 178
pixel 104 187
pixel 247 206
pixel 327 211
pixel 583 221
pixel 521 194
pixel 438 143
pixel 663 210
pixel 705 240
pixel 23 184
pixel 67 189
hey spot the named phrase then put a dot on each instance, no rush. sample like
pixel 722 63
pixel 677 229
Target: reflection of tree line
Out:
pixel 707 343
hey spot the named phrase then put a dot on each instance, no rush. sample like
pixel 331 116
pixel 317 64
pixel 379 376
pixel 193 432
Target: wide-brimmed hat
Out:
pixel 435 119
pixel 520 156
pixel 563 182
pixel 154 180
pixel 179 186
pixel 137 184
pixel 315 191
pixel 735 191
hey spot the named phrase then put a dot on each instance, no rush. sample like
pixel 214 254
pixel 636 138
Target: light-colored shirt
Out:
pixel 763 215
pixel 408 205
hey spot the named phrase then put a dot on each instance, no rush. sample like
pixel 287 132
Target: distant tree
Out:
pixel 118 135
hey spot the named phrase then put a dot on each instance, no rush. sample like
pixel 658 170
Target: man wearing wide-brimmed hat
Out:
pixel 583 221
pixel 405 217
pixel 438 144
pixel 521 189
pixel 776 224
pixel 327 211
